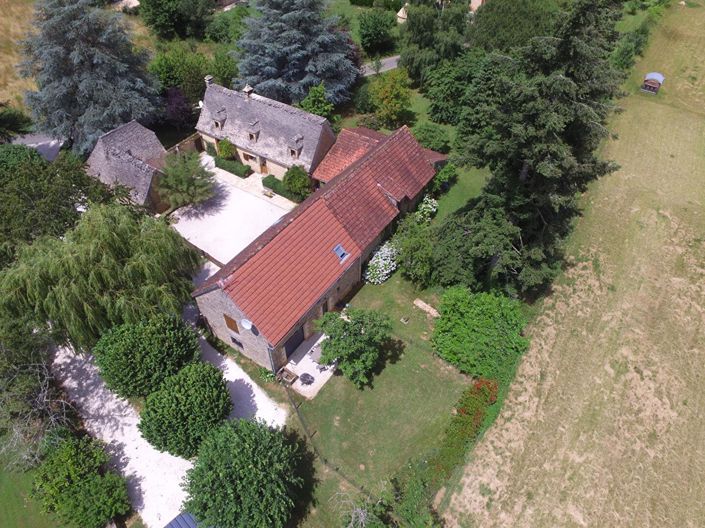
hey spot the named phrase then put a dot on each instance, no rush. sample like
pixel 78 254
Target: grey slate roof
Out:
pixel 183 520
pixel 128 155
pixel 278 127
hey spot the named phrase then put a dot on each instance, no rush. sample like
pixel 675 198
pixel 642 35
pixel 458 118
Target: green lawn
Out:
pixel 370 434
pixel 17 509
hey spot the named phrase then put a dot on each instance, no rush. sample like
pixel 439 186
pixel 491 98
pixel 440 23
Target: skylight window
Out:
pixel 340 251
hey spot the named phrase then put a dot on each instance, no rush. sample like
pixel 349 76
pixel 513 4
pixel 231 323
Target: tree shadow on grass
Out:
pixel 304 498
pixel 392 351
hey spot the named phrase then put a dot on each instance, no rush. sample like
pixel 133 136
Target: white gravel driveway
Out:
pixel 153 478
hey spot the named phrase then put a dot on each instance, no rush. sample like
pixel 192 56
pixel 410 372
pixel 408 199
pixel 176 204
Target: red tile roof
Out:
pixel 348 148
pixel 351 145
pixel 285 272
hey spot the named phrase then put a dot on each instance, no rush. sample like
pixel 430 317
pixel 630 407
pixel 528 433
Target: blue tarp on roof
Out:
pixel 183 520
pixel 655 76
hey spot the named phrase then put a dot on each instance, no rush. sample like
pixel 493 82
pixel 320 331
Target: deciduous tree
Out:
pixel 356 340
pixel 89 77
pixel 376 30
pixel 391 95
pixel 245 476
pixel 116 266
pixel 297 182
pixel 292 47
pixel 170 18
pixel 316 103
pixel 39 198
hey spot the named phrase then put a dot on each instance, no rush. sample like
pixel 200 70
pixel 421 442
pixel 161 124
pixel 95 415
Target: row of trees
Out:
pixel 534 115
pixel 90 78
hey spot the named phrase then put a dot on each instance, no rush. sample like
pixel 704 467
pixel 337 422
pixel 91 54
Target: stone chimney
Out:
pixel 209 80
pixel 248 90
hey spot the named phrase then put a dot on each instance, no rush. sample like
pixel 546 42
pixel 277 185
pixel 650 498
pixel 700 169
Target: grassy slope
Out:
pixel 603 426
pixel 14 23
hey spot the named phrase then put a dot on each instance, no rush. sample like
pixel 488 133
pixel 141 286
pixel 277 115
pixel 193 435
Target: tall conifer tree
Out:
pixel 89 78
pixel 291 48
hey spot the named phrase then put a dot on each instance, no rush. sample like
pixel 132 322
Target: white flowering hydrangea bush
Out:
pixel 382 264
pixel 426 209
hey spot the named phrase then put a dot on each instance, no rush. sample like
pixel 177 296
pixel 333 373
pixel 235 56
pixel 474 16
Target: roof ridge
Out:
pixel 121 126
pixel 316 119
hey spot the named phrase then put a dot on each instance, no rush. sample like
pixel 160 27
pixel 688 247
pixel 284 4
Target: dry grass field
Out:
pixel 604 424
pixel 15 20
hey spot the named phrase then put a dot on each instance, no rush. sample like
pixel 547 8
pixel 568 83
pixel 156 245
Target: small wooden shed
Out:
pixel 652 82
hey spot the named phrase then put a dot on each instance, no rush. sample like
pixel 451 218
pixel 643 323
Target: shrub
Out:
pixel 382 264
pixel 234 166
pixel 480 333
pixel 369 121
pixel 178 64
pixel 185 409
pixel 317 103
pixel 414 243
pixel 432 136
pixel 464 428
pixel 376 30
pixel 276 185
pixel 426 210
pixel 226 149
pixel 245 475
pixel 363 100
pixel 134 359
pixel 227 26
pixel 355 341
pixel 210 149
pixel 170 18
pixel 73 483
pixel 443 179
pixel 297 182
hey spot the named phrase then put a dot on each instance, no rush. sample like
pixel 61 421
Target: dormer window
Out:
pixel 219 119
pixel 340 252
pixel 252 136
pixel 294 153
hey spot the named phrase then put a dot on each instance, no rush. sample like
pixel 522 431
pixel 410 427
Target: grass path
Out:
pixel 603 425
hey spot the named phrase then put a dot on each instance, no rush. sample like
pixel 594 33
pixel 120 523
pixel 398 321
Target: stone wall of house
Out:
pixel 251 159
pixel 333 296
pixel 214 305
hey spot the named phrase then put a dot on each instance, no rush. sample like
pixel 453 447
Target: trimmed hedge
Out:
pixel 276 185
pixel 233 166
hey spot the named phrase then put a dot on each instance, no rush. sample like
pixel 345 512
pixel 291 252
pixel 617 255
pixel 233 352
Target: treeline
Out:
pixel 532 107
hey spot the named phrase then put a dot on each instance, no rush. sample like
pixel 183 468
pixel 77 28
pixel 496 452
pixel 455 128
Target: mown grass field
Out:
pixel 603 425
pixel 14 23
pixel 17 509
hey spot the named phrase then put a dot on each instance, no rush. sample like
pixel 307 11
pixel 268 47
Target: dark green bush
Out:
pixel 276 185
pixel 73 483
pixel 376 30
pixel 480 333
pixel 210 149
pixel 233 166
pixel 432 136
pixel 227 26
pixel 363 99
pixel 185 409
pixel 246 475
pixel 444 179
pixel 134 359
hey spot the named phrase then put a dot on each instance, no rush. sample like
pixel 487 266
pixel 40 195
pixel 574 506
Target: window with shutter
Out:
pixel 231 324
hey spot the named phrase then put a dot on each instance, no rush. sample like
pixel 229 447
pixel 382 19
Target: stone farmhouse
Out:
pixel 269 136
pixel 265 300
pixel 130 156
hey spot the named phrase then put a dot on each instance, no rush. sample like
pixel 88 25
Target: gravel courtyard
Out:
pixel 154 478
